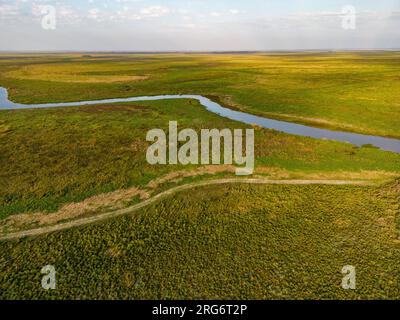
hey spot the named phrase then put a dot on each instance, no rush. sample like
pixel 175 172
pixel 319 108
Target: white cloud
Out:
pixel 154 11
pixel 8 10
pixel 230 12
pixel 134 24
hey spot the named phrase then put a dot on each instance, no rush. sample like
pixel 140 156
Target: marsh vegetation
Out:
pixel 215 242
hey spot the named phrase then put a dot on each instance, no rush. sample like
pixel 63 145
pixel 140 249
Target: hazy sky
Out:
pixel 163 25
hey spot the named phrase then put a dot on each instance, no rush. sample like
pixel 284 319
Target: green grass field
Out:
pixel 55 156
pixel 226 242
pixel 357 91
pixel 217 242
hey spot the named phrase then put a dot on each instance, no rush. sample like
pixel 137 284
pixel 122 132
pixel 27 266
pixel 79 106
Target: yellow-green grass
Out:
pixel 225 242
pixel 272 242
pixel 88 73
pixel 50 157
pixel 355 91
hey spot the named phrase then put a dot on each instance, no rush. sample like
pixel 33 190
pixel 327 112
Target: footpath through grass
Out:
pixel 231 242
pixel 50 157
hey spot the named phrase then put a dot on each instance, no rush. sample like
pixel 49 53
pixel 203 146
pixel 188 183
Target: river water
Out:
pixel 383 143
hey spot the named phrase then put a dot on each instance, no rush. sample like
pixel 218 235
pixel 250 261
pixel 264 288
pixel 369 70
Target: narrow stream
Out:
pixel 387 144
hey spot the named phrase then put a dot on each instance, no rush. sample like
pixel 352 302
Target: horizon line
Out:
pixel 195 51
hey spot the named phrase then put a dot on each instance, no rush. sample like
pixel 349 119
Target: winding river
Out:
pixel 387 144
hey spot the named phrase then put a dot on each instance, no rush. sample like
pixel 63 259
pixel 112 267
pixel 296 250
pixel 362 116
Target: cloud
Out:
pixel 9 11
pixel 126 13
pixel 230 12
pixel 154 11
pixel 395 15
pixel 193 24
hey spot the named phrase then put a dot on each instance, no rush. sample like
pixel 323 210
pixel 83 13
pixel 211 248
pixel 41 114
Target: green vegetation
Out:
pixel 54 156
pixel 242 241
pixel 225 242
pixel 357 91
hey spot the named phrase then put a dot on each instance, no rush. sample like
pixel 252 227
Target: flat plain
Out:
pixel 283 242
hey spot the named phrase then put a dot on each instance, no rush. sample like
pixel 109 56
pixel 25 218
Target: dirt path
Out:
pixel 113 214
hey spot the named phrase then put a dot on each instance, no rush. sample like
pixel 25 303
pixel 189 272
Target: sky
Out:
pixel 198 25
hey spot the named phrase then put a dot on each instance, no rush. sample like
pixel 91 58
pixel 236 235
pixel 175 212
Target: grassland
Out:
pixel 51 158
pixel 57 156
pixel 232 242
pixel 217 242
pixel 357 91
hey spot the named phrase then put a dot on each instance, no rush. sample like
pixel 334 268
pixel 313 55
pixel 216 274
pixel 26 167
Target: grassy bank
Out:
pixel 354 91
pixel 55 156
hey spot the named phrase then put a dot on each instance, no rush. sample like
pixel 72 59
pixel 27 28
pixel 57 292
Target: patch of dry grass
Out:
pixel 102 202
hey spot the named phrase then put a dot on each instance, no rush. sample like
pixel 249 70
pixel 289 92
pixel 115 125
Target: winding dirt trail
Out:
pixel 113 214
